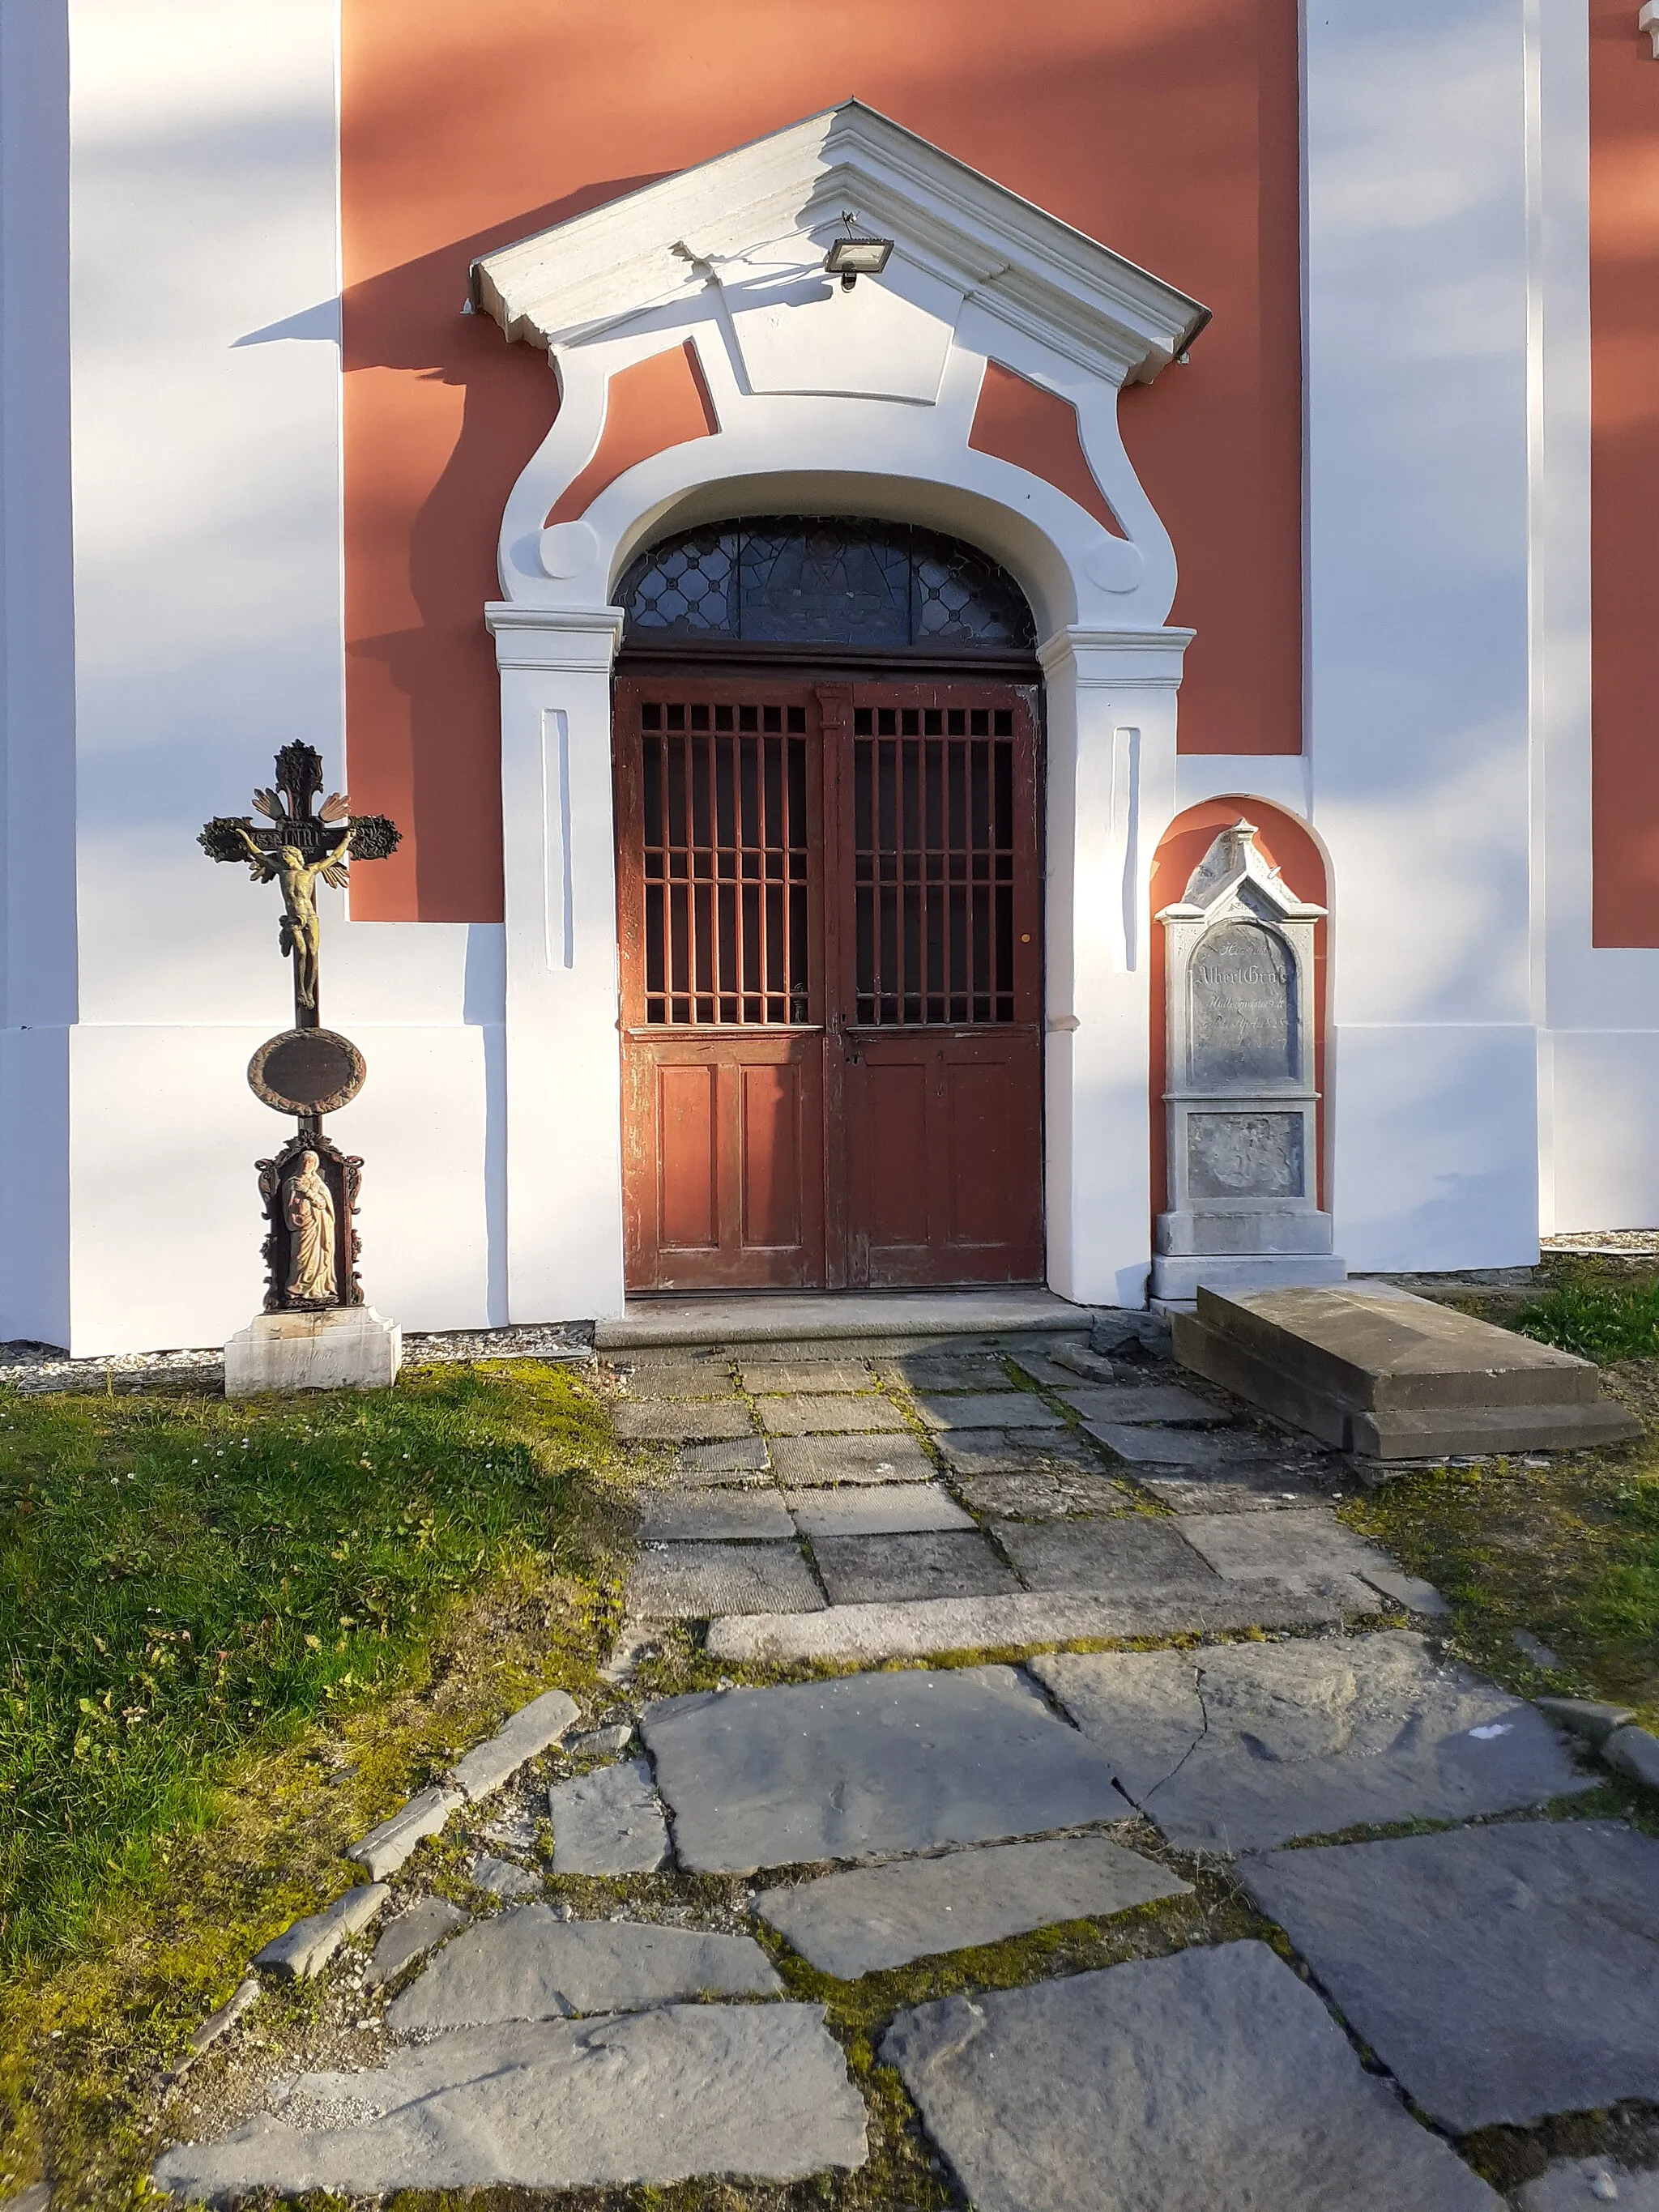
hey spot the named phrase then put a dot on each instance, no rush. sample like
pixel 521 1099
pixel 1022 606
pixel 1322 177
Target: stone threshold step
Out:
pixel 919 1628
pixel 764 1317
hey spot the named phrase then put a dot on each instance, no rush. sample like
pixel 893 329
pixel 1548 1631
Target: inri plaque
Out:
pixel 307 1072
pixel 1242 1028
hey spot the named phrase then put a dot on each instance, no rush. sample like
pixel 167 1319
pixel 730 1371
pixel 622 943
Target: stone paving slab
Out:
pixel 531 1965
pixel 1118 1554
pixel 694 1582
pixel 1218 1450
pixel 868 1765
pixel 1045 1493
pixel 758 2092
pixel 1012 1409
pixel 1210 2081
pixel 705 1378
pixel 715 1516
pixel 682 1420
pixel 1138 1403
pixel 731 1460
pixel 977 1370
pixel 1030 1451
pixel 502 1877
pixel 875 1510
pixel 1249 1744
pixel 827 1416
pixel 771 1376
pixel 848 1925
pixel 1307 1544
pixel 877 1569
pixel 409 1935
pixel 608 1821
pixel 805 1462
pixel 1501 1973
pixel 925 1626
pixel 1579 2185
pixel 1258 1489
pixel 1050 1372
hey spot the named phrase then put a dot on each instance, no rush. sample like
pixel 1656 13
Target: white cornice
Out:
pixel 573 638
pixel 1027 267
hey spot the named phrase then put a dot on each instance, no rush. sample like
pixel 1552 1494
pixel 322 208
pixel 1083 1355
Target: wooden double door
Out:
pixel 831 983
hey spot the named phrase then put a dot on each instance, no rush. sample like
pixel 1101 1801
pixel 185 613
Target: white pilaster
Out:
pixel 564 1204
pixel 1418 435
pixel 1111 780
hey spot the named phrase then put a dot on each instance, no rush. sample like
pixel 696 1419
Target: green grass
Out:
pixel 1569 1550
pixel 1600 1317
pixel 183 1582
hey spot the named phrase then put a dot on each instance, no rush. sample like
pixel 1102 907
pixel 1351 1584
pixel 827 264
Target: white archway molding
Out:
pixel 856 404
pixel 859 451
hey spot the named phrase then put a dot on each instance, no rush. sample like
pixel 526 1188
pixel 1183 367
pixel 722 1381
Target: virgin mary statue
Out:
pixel 308 1210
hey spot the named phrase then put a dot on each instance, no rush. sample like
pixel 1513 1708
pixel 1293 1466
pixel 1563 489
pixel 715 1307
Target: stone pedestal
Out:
pixel 1242 1106
pixel 342 1348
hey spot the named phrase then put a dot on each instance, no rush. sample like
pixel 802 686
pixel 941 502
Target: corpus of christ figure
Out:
pixel 300 845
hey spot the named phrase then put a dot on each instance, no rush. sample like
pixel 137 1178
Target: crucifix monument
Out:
pixel 315 1333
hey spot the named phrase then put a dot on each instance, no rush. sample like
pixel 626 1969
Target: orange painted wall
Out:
pixel 1146 122
pixel 1285 843
pixel 1624 473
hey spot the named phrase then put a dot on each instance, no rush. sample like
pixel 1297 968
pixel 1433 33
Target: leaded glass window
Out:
pixel 800 580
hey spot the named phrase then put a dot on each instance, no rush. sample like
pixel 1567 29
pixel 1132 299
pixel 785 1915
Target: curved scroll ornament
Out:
pixel 299 1277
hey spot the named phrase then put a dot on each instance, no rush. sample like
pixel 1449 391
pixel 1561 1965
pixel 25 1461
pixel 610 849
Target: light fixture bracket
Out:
pixel 856 256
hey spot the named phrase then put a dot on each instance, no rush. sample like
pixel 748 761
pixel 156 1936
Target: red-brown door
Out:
pixel 831 983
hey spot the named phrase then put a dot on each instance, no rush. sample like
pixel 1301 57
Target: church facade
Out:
pixel 817 530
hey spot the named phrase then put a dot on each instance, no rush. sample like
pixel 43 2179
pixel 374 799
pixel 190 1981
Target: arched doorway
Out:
pixel 827 746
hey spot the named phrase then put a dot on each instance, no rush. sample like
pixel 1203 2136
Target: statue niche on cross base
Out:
pixel 316 1331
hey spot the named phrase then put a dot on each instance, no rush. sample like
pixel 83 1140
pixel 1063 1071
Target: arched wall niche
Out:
pixel 1290 844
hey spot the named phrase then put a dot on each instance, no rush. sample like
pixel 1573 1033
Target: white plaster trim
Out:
pixel 658 245
pixel 1100 604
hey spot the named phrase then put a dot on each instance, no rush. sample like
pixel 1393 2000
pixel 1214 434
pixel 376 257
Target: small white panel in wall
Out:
pixel 797 331
pixel 556 819
pixel 1125 871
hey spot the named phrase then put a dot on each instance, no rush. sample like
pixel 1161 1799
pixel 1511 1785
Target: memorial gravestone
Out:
pixel 316 1333
pixel 1242 1106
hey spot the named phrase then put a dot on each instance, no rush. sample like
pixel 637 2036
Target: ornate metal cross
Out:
pixel 293 845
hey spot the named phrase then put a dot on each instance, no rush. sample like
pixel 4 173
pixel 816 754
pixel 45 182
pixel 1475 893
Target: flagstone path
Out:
pixel 1500 1965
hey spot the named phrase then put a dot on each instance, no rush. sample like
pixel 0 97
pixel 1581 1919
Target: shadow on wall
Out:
pixel 461 128
pixel 421 688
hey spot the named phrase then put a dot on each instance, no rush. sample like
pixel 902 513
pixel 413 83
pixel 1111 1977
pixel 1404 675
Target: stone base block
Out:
pixel 1393 1378
pixel 1176 1276
pixel 342 1348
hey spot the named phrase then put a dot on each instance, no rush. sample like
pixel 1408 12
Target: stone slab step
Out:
pixel 765 1319
pixel 1391 1377
pixel 923 1628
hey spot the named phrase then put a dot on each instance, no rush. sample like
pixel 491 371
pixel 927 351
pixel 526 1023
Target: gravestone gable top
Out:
pixel 1242 1110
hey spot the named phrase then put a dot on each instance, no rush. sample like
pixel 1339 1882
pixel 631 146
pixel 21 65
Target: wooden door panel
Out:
pixel 723 1166
pixel 943 1141
pixel 770 1163
pixel 688 1124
